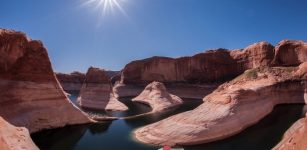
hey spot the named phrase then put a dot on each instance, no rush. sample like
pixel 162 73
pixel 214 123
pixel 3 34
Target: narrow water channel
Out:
pixel 116 135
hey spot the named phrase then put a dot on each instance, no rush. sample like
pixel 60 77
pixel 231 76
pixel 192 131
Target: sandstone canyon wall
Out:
pixel 14 138
pixel 72 81
pixel 96 92
pixel 199 75
pixel 231 108
pixel 30 93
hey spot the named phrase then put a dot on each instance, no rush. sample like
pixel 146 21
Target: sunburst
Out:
pixel 105 6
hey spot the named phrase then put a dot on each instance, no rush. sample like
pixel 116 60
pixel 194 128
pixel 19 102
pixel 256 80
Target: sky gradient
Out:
pixel 78 36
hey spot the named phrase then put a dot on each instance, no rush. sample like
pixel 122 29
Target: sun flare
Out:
pixel 105 6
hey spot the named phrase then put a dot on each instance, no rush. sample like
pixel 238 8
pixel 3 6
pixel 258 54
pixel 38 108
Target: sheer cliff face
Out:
pixel 72 81
pixel 31 95
pixel 214 65
pixel 185 69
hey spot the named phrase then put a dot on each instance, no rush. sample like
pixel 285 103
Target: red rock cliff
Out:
pixel 30 93
pixel 72 81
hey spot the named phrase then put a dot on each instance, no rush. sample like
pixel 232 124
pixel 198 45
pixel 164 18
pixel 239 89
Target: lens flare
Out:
pixel 105 6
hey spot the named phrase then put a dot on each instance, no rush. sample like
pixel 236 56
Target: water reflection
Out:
pixel 116 135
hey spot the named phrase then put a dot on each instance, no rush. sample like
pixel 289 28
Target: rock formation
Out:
pixel 231 108
pixel 30 93
pixel 13 138
pixel 96 92
pixel 72 81
pixel 206 70
pixel 290 53
pixel 156 96
pixel 295 137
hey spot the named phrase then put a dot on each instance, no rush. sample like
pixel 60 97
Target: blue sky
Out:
pixel 78 36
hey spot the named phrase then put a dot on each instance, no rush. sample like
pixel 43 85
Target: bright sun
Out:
pixel 105 6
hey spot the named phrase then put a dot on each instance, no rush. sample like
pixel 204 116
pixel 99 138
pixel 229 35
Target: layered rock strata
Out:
pixel 96 92
pixel 14 138
pixel 30 93
pixel 72 81
pixel 207 70
pixel 231 108
pixel 157 97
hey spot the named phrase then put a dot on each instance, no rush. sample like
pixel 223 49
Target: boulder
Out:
pixel 231 108
pixel 30 94
pixel 157 97
pixel 14 138
pixel 96 92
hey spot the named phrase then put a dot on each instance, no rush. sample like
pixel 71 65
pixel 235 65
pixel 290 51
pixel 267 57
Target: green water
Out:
pixel 116 135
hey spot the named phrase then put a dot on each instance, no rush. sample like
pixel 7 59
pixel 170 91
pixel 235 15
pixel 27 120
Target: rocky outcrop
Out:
pixel 30 93
pixel 72 81
pixel 157 97
pixel 295 137
pixel 231 108
pixel 290 53
pixel 96 92
pixel 14 138
pixel 206 70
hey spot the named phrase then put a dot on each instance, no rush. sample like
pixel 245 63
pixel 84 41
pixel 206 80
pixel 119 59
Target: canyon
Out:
pixel 238 88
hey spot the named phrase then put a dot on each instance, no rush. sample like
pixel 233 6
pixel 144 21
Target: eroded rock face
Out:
pixel 227 111
pixel 295 137
pixel 30 93
pixel 207 70
pixel 290 53
pixel 96 92
pixel 72 81
pixel 14 138
pixel 156 96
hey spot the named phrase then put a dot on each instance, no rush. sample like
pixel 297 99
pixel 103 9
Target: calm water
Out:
pixel 116 135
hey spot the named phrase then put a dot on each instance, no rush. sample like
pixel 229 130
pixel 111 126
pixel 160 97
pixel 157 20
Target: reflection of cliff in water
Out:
pixel 62 139
pixel 152 118
pixel 100 127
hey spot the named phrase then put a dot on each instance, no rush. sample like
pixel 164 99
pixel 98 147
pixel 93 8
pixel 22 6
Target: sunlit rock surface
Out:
pixel 30 93
pixel 157 97
pixel 96 92
pixel 295 137
pixel 14 138
pixel 231 108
